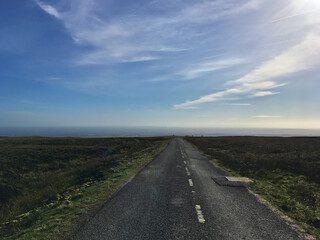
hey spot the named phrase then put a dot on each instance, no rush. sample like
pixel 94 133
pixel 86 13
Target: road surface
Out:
pixel 175 197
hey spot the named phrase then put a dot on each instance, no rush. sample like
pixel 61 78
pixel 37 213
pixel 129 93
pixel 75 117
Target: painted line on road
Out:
pixel 190 182
pixel 193 196
pixel 184 162
pixel 183 153
pixel 188 172
pixel 200 215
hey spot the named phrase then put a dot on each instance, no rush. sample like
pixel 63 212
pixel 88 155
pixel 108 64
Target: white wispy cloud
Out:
pixel 172 49
pixel 264 93
pixel 128 37
pixel 196 70
pixel 238 104
pixel 295 8
pixel 295 15
pixel 213 10
pixel 159 79
pixel 190 107
pixel 298 58
pixel 301 57
pixel 267 116
pixel 141 59
pixel 48 9
pixel 240 91
pixel 249 87
pixel 100 58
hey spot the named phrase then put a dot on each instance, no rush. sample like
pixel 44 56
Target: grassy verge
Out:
pixel 49 185
pixel 285 171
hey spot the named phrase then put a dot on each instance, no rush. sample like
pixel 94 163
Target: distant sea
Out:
pixel 149 131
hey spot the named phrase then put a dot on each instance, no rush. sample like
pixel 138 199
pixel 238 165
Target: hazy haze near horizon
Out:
pixel 149 132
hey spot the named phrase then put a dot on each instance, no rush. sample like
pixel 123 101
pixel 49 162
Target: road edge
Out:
pixel 292 223
pixel 87 218
pixel 289 221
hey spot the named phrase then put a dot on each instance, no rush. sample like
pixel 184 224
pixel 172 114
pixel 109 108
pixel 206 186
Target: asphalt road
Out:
pixel 174 197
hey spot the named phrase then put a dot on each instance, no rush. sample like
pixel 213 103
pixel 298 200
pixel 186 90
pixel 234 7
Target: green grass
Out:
pixel 285 171
pixel 50 185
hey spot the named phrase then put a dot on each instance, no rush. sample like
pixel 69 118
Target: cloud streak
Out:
pixel 267 116
pixel 126 37
pixel 238 104
pixel 257 83
pixel 238 92
pixel 300 57
pixel 264 93
pixel 48 9
pixel 197 70
pixel 294 15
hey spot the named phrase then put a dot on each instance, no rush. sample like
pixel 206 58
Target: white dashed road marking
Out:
pixel 190 182
pixel 200 215
pixel 198 208
pixel 187 170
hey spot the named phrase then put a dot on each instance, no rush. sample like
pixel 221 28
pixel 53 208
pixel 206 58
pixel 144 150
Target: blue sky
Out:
pixel 219 63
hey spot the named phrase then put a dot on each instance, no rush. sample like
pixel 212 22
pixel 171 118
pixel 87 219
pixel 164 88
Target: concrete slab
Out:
pixel 223 181
pixel 239 179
